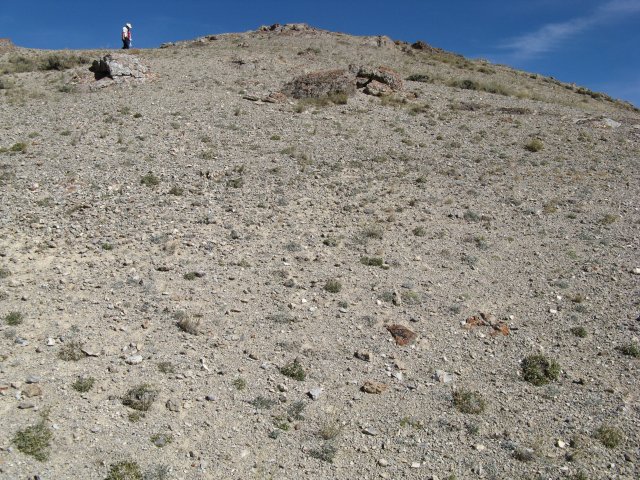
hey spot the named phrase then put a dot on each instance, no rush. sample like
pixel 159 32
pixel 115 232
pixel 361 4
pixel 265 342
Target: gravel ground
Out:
pixel 255 269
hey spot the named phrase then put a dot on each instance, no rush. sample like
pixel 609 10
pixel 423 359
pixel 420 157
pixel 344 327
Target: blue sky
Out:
pixel 594 43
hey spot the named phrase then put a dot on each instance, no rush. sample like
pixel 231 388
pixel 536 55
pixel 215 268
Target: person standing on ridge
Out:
pixel 126 36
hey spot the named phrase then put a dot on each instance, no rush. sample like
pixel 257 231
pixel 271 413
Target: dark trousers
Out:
pixel 126 43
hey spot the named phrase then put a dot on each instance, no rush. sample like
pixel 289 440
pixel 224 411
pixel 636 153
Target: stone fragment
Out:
pixel 315 393
pixel 401 334
pixel 443 377
pixel 373 387
pixel 172 405
pixel 364 355
pixel 377 89
pixel 32 390
pixel 133 360
pixel 25 405
pixel 321 84
pixel 383 462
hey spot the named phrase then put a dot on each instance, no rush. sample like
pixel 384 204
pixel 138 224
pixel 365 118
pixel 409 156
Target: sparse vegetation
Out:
pixel 326 452
pixel 539 370
pixel 467 401
pixel 190 325
pixel 609 436
pixel 580 332
pixel 14 318
pixel 140 397
pixel 263 403
pixel 629 349
pixel 534 145
pixel 125 470
pixel 294 370
pixel 83 384
pixel 166 367
pixel 150 180
pixel 71 351
pixel 240 383
pixel 372 261
pixel 161 439
pixel 35 440
pixel 333 285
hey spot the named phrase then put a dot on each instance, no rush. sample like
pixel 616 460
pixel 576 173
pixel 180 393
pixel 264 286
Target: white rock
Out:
pixel 383 462
pixel 443 377
pixel 134 359
pixel 315 393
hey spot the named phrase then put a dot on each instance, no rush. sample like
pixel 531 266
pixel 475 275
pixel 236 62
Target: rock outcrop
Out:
pixel 321 84
pixel 378 81
pixel 119 66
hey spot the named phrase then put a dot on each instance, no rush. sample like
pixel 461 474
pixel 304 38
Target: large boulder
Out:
pixel 381 74
pixel 321 84
pixel 119 65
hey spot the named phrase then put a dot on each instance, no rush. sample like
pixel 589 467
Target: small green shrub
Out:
pixel 71 351
pixel 125 470
pixel 150 180
pixel 609 436
pixel 539 370
pixel 161 439
pixel 240 383
pixel 19 147
pixel 333 285
pixel 107 246
pixel 190 276
pixel 580 332
pixel 4 273
pixel 294 370
pixel 326 453
pixel 263 403
pixel 535 145
pixel 177 191
pixel 629 349
pixel 14 318
pixel 140 397
pixel 419 231
pixel 419 77
pixel 166 367
pixel 35 440
pixel 83 384
pixel 467 401
pixel 372 261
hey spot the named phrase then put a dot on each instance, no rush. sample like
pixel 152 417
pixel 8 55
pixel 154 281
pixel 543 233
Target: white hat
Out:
pixel 128 25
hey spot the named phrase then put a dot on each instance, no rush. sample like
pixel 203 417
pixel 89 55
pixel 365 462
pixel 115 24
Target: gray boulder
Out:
pixel 119 65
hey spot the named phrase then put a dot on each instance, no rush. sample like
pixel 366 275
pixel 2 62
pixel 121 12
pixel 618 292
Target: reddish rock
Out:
pixel 381 74
pixel 401 334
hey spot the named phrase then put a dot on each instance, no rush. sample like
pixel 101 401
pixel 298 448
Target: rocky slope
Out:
pixel 202 278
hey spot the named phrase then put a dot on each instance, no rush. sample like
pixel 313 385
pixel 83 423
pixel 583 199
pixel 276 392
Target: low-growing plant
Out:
pixel 333 285
pixel 161 439
pixel 190 276
pixel 5 272
pixel 83 384
pixel 580 332
pixel 329 431
pixel 107 246
pixel 629 349
pixel 35 440
pixel 71 351
pixel 263 403
pixel 166 367
pixel 467 401
pixel 14 318
pixel 535 145
pixel 539 370
pixel 294 370
pixel 140 397
pixel 419 231
pixel 326 452
pixel 190 325
pixel 125 470
pixel 177 191
pixel 372 261
pixel 19 147
pixel 609 436
pixel 150 180
pixel 240 383
pixel 295 410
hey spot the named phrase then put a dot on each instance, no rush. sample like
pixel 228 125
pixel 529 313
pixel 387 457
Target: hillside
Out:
pixel 204 277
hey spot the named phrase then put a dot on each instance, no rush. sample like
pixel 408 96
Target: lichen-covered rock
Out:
pixel 321 84
pixel 381 74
